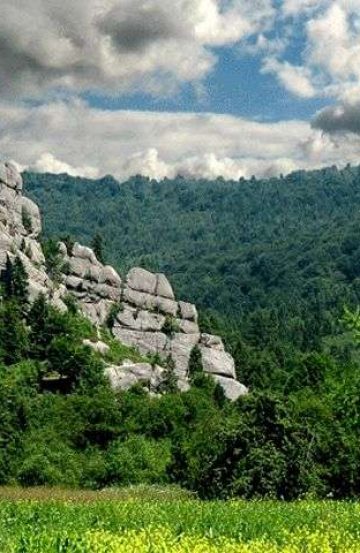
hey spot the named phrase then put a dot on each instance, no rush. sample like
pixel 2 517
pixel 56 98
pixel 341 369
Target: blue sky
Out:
pixel 236 86
pixel 200 88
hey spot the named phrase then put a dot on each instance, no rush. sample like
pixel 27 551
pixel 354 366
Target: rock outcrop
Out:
pixel 145 313
pixel 129 374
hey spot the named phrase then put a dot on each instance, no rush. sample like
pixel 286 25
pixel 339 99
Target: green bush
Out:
pixel 46 462
pixel 138 460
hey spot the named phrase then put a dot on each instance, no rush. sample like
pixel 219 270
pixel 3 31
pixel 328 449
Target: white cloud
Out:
pixel 316 146
pixel 328 64
pixel 296 79
pixel 148 164
pixel 92 142
pixel 47 163
pixel 299 7
pixel 332 46
pixel 209 166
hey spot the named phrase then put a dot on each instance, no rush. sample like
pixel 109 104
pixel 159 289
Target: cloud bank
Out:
pixel 93 142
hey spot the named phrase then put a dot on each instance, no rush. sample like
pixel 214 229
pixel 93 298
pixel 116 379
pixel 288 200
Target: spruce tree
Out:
pixel 169 382
pixel 97 245
pixel 195 364
pixel 13 333
pixel 16 282
pixel 40 333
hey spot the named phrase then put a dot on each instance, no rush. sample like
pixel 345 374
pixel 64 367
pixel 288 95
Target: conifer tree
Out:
pixel 16 282
pixel 13 333
pixel 195 364
pixel 169 382
pixel 97 245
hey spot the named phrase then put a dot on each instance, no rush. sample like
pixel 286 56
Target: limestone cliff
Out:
pixel 146 313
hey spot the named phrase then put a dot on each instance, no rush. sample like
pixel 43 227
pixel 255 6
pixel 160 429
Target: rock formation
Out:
pixel 145 312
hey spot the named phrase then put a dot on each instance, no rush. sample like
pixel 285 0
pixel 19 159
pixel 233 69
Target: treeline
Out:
pixel 296 434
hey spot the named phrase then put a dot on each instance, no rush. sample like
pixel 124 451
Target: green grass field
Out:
pixel 160 521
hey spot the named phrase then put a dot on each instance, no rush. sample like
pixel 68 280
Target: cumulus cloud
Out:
pixel 332 45
pixel 330 58
pixel 148 164
pixel 136 26
pixel 209 166
pixel 318 146
pixel 47 163
pixel 296 79
pixel 124 143
pixel 118 45
pixel 339 119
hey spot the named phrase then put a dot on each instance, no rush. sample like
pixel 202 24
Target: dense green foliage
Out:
pixel 272 264
pixel 61 423
pixel 286 245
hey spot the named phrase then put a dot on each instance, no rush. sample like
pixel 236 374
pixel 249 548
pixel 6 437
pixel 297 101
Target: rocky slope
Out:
pixel 146 313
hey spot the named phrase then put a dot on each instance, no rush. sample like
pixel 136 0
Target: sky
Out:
pixel 198 88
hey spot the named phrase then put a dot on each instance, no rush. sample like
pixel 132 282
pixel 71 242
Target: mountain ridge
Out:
pixel 233 248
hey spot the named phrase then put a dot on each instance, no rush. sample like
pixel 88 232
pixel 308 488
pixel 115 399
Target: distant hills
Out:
pixel 285 248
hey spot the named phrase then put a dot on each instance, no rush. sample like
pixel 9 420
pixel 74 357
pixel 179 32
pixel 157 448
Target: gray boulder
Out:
pixel 142 281
pixel 62 249
pixel 73 282
pixel 167 306
pixel 98 347
pixel 139 299
pixel 163 287
pixel 109 276
pixel 214 342
pixel 127 375
pixel 217 362
pixel 31 209
pixel 10 176
pixel 85 253
pixel 140 319
pixel 3 174
pixel 79 267
pixel 145 342
pixel 188 311
pixel 32 249
pixel 232 388
pixel 180 347
pixel 107 292
pixel 188 327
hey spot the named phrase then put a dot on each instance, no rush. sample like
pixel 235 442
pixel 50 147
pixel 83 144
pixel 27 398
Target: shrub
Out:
pixel 46 461
pixel 170 326
pixel 138 460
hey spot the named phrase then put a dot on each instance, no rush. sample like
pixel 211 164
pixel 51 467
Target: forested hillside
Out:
pixel 273 264
pixel 278 256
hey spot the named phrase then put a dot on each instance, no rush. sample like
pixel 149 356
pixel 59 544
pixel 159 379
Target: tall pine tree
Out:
pixel 195 364
pixel 16 285
pixel 97 245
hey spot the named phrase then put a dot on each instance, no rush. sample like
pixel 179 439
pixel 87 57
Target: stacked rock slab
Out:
pixel 147 314
pixel 146 307
pixel 20 226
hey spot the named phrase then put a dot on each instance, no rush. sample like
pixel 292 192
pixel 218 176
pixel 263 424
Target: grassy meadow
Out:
pixel 159 520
